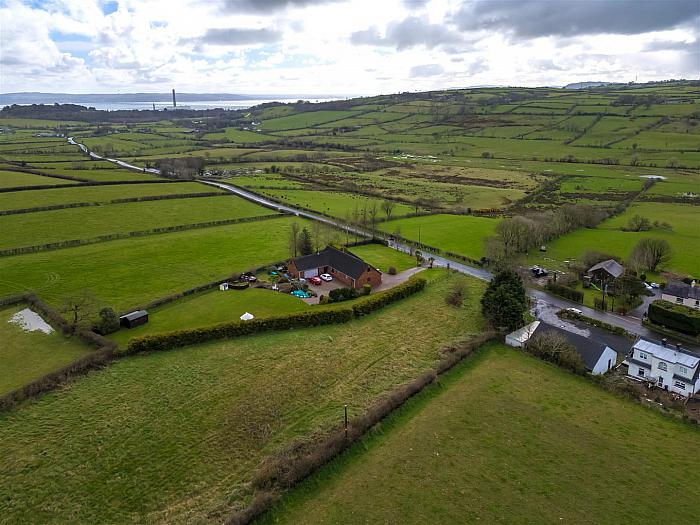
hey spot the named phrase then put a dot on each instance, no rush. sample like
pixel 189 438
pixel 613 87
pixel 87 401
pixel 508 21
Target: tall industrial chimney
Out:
pixel 174 102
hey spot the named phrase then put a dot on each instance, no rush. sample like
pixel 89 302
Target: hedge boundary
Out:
pixel 180 338
pixel 19 211
pixel 126 235
pixel 291 466
pixel 89 183
pixel 100 357
pixel 675 317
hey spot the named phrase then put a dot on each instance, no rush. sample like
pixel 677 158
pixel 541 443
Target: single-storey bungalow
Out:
pixel 669 367
pixel 134 319
pixel 682 293
pixel 343 266
pixel 598 357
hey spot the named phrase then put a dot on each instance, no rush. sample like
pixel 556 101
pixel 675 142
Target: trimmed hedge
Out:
pixel 675 316
pixel 617 330
pixel 566 292
pixel 168 340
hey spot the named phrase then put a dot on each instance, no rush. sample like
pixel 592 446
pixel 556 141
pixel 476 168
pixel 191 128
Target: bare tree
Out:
pixel 388 208
pixel 80 309
pixel 649 253
pixel 317 234
pixel 373 210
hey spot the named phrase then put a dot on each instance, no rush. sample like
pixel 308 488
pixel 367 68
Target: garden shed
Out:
pixel 134 319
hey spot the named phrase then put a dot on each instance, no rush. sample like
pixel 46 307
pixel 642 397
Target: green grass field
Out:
pixel 609 238
pixel 174 436
pixel 213 307
pixel 533 445
pixel 15 179
pixel 461 234
pixel 129 272
pixel 382 257
pixel 102 194
pixel 25 356
pixel 333 203
pixel 87 222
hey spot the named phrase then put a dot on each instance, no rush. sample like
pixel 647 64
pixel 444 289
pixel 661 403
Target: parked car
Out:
pixel 649 287
pixel 574 310
pixel 326 277
pixel 315 280
pixel 654 285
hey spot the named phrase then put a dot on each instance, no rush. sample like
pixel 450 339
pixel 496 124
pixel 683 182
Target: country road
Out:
pixel 544 305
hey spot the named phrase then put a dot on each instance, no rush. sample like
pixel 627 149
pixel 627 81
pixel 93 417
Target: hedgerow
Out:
pixel 676 317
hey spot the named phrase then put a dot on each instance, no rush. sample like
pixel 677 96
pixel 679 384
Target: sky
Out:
pixel 340 47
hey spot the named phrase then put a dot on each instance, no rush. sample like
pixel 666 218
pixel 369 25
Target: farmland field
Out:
pixel 383 258
pixel 92 221
pixel 684 237
pixel 461 234
pixel 15 179
pixel 535 445
pixel 125 273
pixel 25 356
pixel 205 415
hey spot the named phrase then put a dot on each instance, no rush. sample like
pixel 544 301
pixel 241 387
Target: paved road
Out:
pixel 545 305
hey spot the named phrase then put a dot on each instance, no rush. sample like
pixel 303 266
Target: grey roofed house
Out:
pixel 347 263
pixel 680 289
pixel 597 356
pixel 611 267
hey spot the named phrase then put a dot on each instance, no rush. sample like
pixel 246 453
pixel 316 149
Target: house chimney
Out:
pixel 678 347
pixel 692 283
pixel 174 101
pixel 664 341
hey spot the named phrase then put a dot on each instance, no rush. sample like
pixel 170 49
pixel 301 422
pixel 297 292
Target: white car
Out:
pixel 326 277
pixel 649 287
pixel 654 285
pixel 574 311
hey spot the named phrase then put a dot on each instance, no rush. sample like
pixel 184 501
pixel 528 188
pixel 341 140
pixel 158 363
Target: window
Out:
pixel 661 381
pixel 679 300
pixel 683 370
pixel 680 384
pixel 642 355
pixel 662 366
pixel 641 372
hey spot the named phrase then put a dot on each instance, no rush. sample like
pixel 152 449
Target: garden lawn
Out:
pixel 609 238
pixel 461 234
pixel 38 228
pixel 532 445
pixel 175 436
pixel 213 307
pixel 383 258
pixel 26 356
pixel 129 272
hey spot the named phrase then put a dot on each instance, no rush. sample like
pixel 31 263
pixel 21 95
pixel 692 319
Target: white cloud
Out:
pixel 306 46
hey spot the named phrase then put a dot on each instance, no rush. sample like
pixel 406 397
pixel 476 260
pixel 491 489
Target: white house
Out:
pixel 670 368
pixel 596 356
pixel 682 293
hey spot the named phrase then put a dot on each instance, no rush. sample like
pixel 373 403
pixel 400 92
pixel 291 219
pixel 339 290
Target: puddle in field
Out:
pixel 30 321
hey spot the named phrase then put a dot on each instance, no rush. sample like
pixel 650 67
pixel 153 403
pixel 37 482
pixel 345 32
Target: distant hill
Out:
pixel 586 85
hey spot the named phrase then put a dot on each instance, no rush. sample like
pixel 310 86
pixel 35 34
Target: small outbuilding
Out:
pixel 606 270
pixel 223 287
pixel 597 356
pixel 247 316
pixel 134 319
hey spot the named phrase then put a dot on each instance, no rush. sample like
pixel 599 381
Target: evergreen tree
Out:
pixel 504 302
pixel 305 244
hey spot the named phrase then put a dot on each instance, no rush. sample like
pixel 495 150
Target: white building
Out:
pixel 682 293
pixel 598 357
pixel 670 368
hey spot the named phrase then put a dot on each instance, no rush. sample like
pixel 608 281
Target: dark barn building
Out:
pixel 134 319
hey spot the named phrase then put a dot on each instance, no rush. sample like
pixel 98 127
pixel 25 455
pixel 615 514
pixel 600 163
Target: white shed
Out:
pixel 223 287
pixel 521 335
